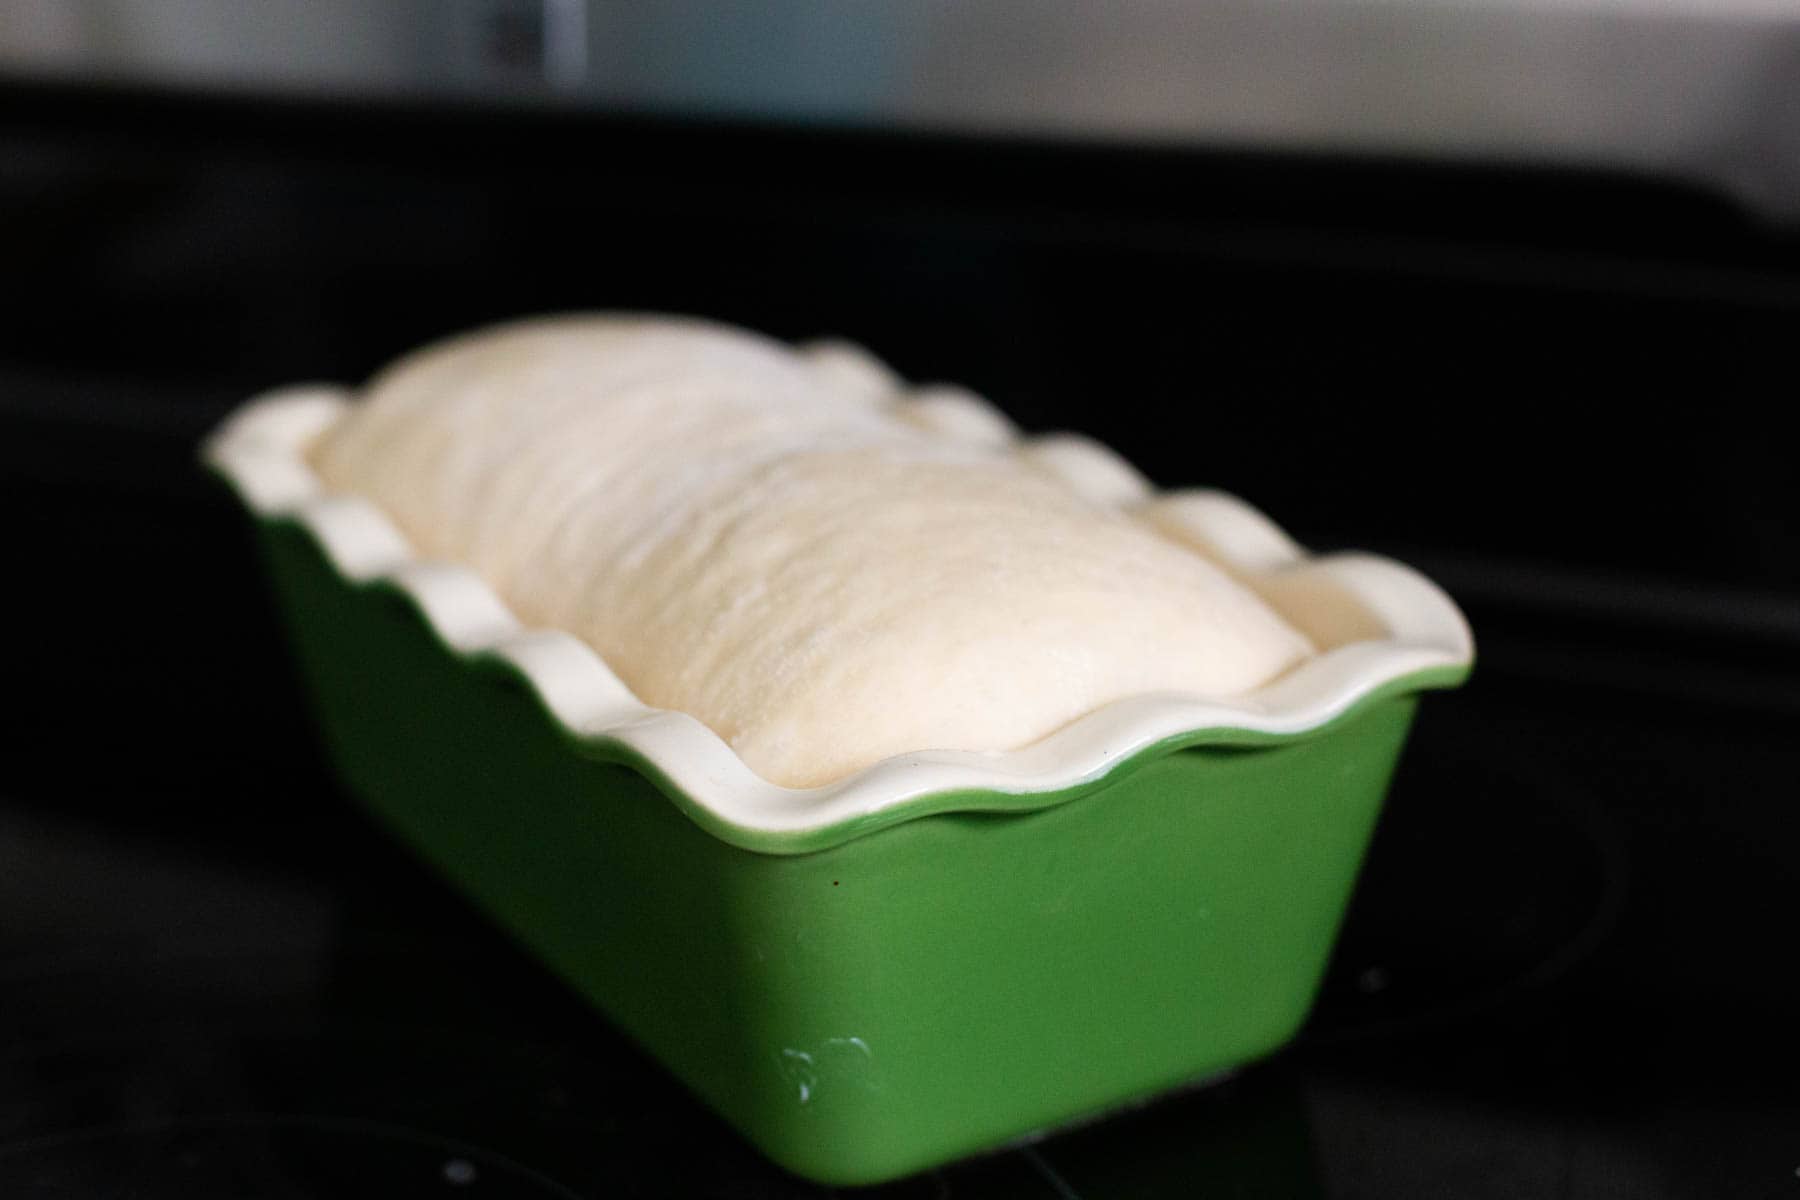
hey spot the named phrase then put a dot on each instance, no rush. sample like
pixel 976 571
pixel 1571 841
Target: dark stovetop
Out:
pixel 1565 971
pixel 1554 981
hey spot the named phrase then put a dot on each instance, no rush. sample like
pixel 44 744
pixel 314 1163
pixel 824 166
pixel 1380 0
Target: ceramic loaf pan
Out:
pixel 936 955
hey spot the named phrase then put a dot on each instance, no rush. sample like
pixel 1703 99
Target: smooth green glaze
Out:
pixel 897 993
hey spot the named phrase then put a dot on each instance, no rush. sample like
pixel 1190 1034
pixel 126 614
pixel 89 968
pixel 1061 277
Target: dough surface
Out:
pixel 761 540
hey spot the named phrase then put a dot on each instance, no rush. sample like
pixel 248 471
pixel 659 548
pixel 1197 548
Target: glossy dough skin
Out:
pixel 768 542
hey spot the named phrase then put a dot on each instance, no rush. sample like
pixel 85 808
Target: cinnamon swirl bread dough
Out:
pixel 762 541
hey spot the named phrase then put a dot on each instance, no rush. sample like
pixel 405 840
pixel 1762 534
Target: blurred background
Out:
pixel 1505 288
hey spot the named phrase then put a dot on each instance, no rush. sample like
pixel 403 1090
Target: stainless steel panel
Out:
pixel 1706 89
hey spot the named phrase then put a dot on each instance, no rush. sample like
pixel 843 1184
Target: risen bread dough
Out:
pixel 765 542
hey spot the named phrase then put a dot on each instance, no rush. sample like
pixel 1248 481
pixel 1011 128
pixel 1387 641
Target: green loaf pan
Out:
pixel 944 952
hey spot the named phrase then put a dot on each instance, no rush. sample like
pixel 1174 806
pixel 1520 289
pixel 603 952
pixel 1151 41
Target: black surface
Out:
pixel 1601 345
pixel 1566 969
pixel 1550 984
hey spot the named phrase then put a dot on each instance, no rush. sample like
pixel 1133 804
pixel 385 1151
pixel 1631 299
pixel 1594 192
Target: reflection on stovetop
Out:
pixel 1493 884
pixel 267 1156
pixel 1553 981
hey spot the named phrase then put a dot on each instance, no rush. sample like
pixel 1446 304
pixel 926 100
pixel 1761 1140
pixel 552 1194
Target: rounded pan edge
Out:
pixel 259 452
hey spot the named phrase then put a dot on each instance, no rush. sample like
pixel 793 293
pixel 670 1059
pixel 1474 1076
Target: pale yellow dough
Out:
pixel 761 540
